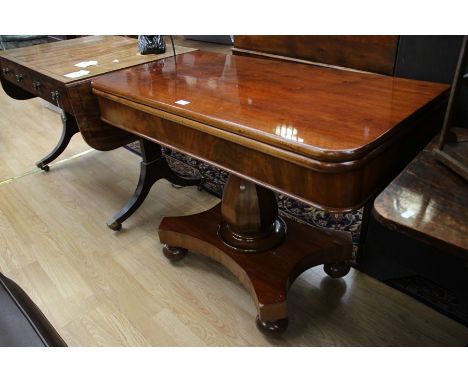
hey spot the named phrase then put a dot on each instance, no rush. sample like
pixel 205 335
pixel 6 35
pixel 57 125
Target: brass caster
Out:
pixel 43 167
pixel 115 226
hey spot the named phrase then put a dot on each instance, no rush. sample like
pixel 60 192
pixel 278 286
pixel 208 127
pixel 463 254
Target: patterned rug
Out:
pixel 445 301
pixel 213 180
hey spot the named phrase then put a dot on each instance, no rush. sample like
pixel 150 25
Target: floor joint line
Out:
pixel 38 170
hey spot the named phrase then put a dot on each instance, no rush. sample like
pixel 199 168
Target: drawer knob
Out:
pixel 36 85
pixel 19 77
pixel 5 71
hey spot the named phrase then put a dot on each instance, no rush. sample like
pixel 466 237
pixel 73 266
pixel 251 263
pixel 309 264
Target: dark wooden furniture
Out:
pixel 21 322
pixel 429 202
pixel 369 53
pixel 330 137
pixel 417 240
pixel 41 71
pixel 451 151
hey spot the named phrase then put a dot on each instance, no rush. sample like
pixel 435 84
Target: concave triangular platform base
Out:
pixel 267 275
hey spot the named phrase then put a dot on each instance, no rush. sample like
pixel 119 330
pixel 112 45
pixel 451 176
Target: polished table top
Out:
pixel 64 70
pixel 327 114
pixel 294 128
pixel 59 58
pixel 428 201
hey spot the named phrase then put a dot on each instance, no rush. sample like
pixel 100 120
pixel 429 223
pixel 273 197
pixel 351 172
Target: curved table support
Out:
pixel 267 271
pixel 152 168
pixel 69 129
pixel 69 124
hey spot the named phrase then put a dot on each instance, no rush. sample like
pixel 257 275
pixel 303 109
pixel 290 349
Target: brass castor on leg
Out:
pixel 272 328
pixel 115 226
pixel 337 270
pixel 174 253
pixel 43 167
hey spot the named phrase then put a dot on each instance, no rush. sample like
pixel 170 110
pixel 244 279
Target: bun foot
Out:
pixel 174 253
pixel 115 226
pixel 272 328
pixel 337 270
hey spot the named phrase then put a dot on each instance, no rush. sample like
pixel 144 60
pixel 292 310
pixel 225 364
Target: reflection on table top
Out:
pixel 95 54
pixel 428 201
pixel 329 114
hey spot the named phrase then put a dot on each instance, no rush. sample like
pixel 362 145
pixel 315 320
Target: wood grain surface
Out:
pixel 369 53
pixel 39 71
pixel 56 59
pixel 95 132
pixel 428 201
pixel 220 126
pixel 321 113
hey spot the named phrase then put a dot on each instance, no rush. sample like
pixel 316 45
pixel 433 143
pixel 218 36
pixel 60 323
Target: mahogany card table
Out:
pixel 61 73
pixel 330 137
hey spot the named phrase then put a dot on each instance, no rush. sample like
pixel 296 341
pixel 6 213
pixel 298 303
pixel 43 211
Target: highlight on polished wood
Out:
pixel 250 220
pixel 298 108
pixel 428 201
pixel 324 128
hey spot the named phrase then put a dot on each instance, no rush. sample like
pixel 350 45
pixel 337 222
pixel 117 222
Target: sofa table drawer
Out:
pixel 35 83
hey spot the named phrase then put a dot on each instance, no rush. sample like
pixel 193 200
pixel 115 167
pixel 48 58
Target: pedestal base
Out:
pixel 267 275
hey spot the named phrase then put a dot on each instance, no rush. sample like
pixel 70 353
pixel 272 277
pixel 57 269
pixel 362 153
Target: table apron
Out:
pixel 36 84
pixel 338 191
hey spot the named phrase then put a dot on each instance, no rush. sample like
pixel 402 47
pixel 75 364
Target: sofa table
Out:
pixel 61 73
pixel 330 137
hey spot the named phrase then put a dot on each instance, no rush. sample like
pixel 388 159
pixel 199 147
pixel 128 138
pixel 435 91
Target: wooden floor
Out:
pixel 105 288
